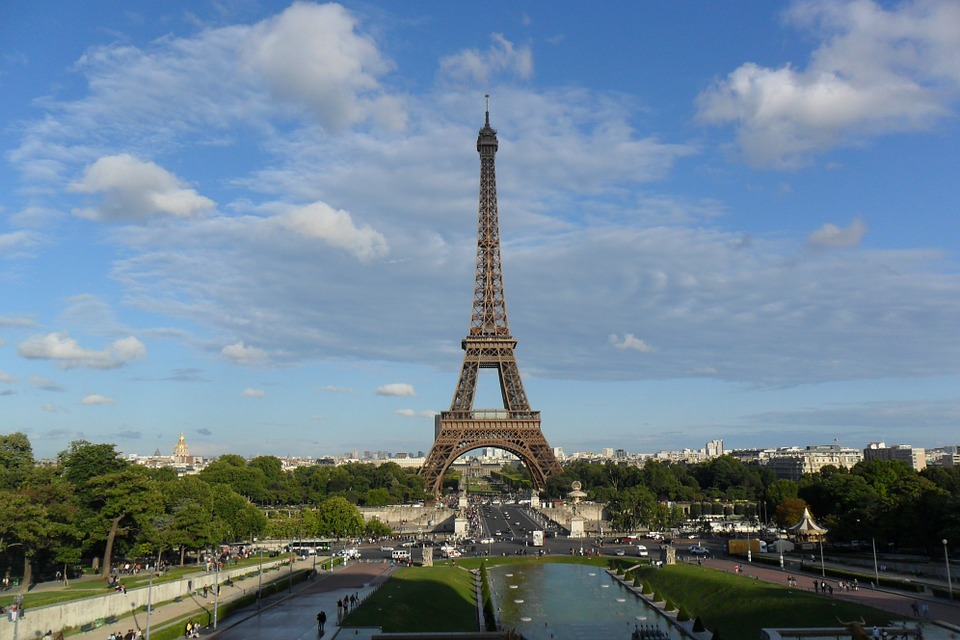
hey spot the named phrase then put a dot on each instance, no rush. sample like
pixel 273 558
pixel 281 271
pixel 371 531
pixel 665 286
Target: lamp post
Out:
pixel 17 613
pixel 946 559
pixel 149 604
pixel 876 572
pixel 216 589
pixel 260 579
pixel 823 570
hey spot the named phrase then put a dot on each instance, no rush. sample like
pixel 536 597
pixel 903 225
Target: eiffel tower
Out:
pixel 515 428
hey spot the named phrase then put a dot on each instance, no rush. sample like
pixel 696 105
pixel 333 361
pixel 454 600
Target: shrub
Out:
pixel 669 606
pixel 647 589
pixel 682 614
pixel 698 625
pixel 637 582
pixel 656 596
pixel 716 635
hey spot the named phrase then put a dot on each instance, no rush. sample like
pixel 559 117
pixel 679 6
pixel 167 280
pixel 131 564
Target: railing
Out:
pixel 489 414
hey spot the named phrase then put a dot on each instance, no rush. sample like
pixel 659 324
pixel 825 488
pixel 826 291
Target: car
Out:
pixel 486 541
pixel 642 551
pixel 697 550
pixel 619 552
pixel 408 543
pixel 386 547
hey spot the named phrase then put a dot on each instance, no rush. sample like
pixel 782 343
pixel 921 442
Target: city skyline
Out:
pixel 255 223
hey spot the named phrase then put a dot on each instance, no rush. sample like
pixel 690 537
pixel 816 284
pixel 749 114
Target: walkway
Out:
pixel 898 603
pixel 294 616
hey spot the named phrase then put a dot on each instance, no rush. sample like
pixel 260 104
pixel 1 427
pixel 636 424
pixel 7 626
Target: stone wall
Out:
pixel 36 621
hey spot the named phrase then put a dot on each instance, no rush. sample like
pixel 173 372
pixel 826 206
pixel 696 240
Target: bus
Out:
pixel 308 547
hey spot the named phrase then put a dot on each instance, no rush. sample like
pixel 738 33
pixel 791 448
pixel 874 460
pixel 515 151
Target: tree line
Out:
pixel 884 501
pixel 92 506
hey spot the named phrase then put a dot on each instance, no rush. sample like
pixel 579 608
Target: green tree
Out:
pixel 189 522
pixel 240 518
pixel 789 512
pixel 16 460
pixel 121 504
pixel 339 518
pixel 232 470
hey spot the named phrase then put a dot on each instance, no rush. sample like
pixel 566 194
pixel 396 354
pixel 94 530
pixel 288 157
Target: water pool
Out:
pixel 556 601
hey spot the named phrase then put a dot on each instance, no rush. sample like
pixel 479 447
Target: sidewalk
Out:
pixel 294 615
pixel 942 612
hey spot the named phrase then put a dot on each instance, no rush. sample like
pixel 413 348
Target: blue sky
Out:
pixel 255 222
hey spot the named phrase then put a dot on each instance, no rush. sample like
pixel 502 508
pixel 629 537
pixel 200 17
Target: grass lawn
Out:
pixel 439 598
pixel 740 606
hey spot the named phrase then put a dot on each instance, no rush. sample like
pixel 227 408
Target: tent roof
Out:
pixel 807 524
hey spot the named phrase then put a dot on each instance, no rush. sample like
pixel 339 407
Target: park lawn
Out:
pixel 739 606
pixel 432 599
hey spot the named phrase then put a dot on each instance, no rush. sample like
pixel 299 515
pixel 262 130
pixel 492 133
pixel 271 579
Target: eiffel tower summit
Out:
pixel 515 427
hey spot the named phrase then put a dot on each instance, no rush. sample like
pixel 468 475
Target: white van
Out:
pixel 642 551
pixel 401 554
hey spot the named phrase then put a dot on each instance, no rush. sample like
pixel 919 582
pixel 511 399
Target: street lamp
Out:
pixel 946 559
pixel 17 612
pixel 823 570
pixel 260 578
pixel 216 589
pixel 149 604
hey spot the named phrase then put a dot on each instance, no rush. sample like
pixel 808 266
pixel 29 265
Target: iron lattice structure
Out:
pixel 515 428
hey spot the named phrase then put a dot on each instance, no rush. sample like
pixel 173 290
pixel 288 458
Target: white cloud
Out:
pixel 6 378
pixel 406 413
pixel 132 189
pixel 396 389
pixel 17 321
pixel 69 354
pixel 631 342
pixel 18 244
pixel 336 228
pixel 253 393
pixel 500 59
pixel 336 389
pixel 52 408
pixel 830 235
pixel 46 384
pixel 242 354
pixel 877 71
pixel 93 399
pixel 313 55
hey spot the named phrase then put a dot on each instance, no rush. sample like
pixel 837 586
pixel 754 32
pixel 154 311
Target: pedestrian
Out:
pixel 916 609
pixel 321 620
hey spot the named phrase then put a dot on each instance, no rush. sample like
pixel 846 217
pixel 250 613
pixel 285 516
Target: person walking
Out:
pixel 321 620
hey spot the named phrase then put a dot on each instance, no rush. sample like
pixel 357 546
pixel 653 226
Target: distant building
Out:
pixel 915 458
pixel 790 463
pixel 181 452
pixel 714 448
